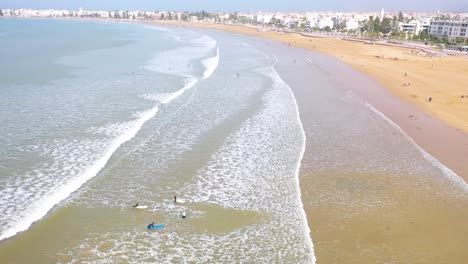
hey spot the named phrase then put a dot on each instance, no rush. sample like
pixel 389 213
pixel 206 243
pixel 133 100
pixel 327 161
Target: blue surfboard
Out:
pixel 156 227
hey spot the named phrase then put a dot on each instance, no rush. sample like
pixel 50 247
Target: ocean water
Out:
pixel 99 116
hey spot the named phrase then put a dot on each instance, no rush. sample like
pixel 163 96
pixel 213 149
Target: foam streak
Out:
pixel 306 226
pixel 46 203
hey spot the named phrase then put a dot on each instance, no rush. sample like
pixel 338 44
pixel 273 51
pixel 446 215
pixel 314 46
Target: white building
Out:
pixel 352 25
pixel 450 29
pixel 263 18
pixel 413 27
pixel 324 22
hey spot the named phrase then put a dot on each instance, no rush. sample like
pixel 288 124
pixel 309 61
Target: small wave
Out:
pixel 210 65
pixel 42 205
pixel 158 28
pixel 446 171
pixel 278 79
pixel 165 98
pixel 204 40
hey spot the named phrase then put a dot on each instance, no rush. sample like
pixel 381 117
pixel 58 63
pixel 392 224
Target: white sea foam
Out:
pixel 39 206
pixel 254 169
pixel 306 226
pixel 204 40
pixel 179 61
pixel 266 181
pixel 452 176
pixel 210 65
pixel 158 28
pixel 165 98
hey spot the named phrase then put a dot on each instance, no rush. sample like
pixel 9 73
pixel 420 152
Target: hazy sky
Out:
pixel 244 5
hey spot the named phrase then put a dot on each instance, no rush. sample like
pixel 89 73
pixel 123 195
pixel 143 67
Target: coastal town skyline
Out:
pixel 244 6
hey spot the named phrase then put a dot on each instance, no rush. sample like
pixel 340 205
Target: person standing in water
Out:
pixel 175 199
pixel 184 215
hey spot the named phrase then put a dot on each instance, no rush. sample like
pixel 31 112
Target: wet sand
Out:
pixel 361 214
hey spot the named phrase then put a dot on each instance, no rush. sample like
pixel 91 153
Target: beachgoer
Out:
pixel 135 205
pixel 430 99
pixel 184 215
pixel 406 74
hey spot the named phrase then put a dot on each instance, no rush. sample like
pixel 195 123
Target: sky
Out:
pixel 244 5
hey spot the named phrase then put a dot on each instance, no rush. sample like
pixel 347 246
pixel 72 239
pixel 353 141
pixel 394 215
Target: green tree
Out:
pixel 133 16
pixel 327 29
pixel 386 26
pixel 341 26
pixel 376 26
pixel 423 35
pixel 400 17
pixel 162 16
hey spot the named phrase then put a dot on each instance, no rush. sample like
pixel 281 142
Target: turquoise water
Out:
pixel 99 116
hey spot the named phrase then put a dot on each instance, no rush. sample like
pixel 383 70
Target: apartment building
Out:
pixel 414 27
pixel 452 30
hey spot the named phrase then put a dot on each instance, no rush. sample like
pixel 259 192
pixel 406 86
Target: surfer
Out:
pixel 175 199
pixel 150 225
pixel 237 75
pixel 135 205
pixel 184 215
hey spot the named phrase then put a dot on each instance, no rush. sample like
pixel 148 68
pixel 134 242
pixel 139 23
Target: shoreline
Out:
pixel 433 133
pixel 447 144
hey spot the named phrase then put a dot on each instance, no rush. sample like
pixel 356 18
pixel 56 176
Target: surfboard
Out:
pixel 141 207
pixel 156 227
pixel 180 201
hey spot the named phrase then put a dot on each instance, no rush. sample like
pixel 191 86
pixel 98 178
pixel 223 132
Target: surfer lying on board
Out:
pixel 150 226
pixel 135 205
